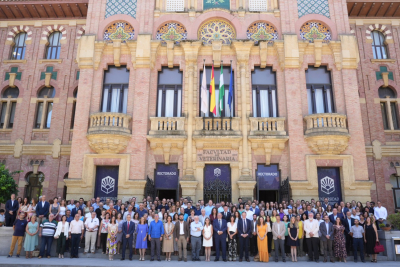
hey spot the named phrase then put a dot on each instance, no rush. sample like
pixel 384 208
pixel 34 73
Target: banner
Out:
pixel 207 4
pixel 329 185
pixel 166 176
pixel 106 182
pixel 268 177
pixel 214 172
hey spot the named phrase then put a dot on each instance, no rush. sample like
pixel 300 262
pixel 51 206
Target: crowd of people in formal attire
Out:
pixel 229 231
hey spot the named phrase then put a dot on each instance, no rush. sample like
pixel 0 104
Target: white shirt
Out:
pixel 254 223
pixel 43 202
pixel 182 225
pixel 311 227
pixel 380 212
pixel 232 227
pixel 92 223
pixel 249 215
pixel 88 215
pixel 76 227
pixel 193 229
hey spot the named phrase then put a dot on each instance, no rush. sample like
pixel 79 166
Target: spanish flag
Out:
pixel 213 108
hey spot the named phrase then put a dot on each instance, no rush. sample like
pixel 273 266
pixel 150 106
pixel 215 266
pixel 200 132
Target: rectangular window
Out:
pixel 39 114
pixel 264 93
pixel 175 5
pixel 12 115
pixel 73 115
pixel 319 91
pixel 384 116
pixel 169 95
pixel 393 109
pixel 48 115
pixel 227 111
pixel 115 90
pixel 3 114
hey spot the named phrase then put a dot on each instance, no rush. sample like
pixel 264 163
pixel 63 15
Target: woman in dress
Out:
pixel 262 214
pixel 172 211
pixel 300 236
pixel 207 237
pixel 104 232
pixel 31 238
pixel 339 240
pixel 362 220
pixel 329 210
pixel 112 230
pixel 168 240
pixel 268 210
pixel 262 239
pixel 86 210
pixel 269 234
pixel 23 207
pixel 135 220
pixel 165 217
pixel 293 241
pixel 232 244
pixel 81 217
pixel 55 209
pixel 241 209
pixel 305 247
pixel 281 213
pixel 273 217
pixel 62 236
pixel 213 215
pixel 237 216
pixel 175 220
pixel 287 247
pixel 371 237
pixel 233 210
pixel 63 208
pixel 120 222
pixel 141 239
pixel 32 209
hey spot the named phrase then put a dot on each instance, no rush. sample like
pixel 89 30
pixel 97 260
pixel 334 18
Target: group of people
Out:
pixel 233 231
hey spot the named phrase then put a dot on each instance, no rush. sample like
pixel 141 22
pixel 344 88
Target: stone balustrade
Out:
pixel 267 126
pixel 217 126
pixel 167 125
pixel 326 123
pixel 109 122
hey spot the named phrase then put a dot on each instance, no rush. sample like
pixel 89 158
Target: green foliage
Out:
pixel 381 225
pixel 8 186
pixel 394 220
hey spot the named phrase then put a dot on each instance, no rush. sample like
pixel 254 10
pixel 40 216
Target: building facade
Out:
pixel 129 84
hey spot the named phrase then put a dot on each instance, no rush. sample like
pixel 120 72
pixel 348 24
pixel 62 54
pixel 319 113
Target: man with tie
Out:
pixel 348 222
pixel 334 215
pixel 326 230
pixel 42 209
pixel 226 215
pixel 220 227
pixel 253 238
pixel 128 228
pixel 12 207
pixel 244 229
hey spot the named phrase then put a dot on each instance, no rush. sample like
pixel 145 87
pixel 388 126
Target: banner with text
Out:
pixel 166 176
pixel 228 155
pixel 329 185
pixel 106 182
pixel 268 177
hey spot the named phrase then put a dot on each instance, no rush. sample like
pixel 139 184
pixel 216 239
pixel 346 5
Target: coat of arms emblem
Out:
pixel 327 185
pixel 107 184
pixel 217 172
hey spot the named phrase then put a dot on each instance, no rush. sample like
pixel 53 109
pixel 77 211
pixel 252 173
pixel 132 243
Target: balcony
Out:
pixel 267 127
pixel 217 126
pixel 327 133
pixel 109 132
pixel 166 136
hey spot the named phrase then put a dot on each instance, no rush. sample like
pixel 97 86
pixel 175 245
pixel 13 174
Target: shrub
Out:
pixel 8 186
pixel 394 220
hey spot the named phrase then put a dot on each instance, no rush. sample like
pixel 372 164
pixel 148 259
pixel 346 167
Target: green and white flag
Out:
pixel 221 92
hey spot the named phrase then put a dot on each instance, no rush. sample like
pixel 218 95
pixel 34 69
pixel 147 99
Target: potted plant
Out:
pixel 384 227
pixel 394 220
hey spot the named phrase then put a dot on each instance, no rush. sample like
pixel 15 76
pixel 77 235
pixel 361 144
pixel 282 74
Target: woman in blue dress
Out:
pixel 141 238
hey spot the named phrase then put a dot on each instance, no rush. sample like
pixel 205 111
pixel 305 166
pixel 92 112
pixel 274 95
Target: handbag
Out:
pixel 379 248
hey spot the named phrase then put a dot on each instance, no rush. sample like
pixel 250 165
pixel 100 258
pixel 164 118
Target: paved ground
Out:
pixel 53 262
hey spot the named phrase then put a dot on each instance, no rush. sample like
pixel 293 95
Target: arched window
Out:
pixel 115 89
pixel 379 48
pixel 389 108
pixel 54 46
pixel 44 108
pixel 34 187
pixel 8 106
pixel 74 108
pixel 18 50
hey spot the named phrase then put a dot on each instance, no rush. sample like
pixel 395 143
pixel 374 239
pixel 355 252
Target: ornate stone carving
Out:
pixel 328 144
pixel 108 143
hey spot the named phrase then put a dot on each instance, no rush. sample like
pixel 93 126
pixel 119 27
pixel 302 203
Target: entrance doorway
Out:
pixel 167 194
pixel 268 195
pixel 217 183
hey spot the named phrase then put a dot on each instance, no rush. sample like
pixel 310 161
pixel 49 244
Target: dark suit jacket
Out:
pixel 217 228
pixel 126 231
pixel 324 233
pixel 227 217
pixel 248 227
pixel 42 210
pixel 12 207
pixel 177 229
pixel 332 218
pixel 346 225
pixel 74 211
pixel 306 212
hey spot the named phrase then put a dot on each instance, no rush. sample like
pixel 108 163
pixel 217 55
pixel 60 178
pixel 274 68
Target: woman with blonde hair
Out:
pixel 293 241
pixel 300 236
pixel 262 239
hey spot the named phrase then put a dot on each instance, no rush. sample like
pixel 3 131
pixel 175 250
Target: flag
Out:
pixel 221 91
pixel 230 95
pixel 204 96
pixel 213 108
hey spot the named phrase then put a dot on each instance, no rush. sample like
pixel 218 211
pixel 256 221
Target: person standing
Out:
pixel 326 230
pixel 278 232
pixel 253 238
pixel 301 236
pixel 244 227
pixel 339 240
pixel 75 234
pixel 311 227
pixel 12 207
pixel 380 214
pixel 156 231
pixel 195 232
pixel 220 228
pixel 61 235
pixel 348 222
pixel 112 238
pixel 357 232
pixel 55 209
pixel 371 237
pixel 46 233
pixel 19 227
pixel 103 233
pixel 232 234
pixel 42 209
pixel 31 238
pixel 293 241
pixel 128 228
pixel 141 238
pixel 92 226
pixel 207 237
pixel 181 232
pixel 262 239
pixel 168 244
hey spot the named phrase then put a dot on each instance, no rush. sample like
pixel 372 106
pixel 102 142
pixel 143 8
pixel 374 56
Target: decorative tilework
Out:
pixel 262 31
pixel 208 4
pixel 48 70
pixel 172 31
pixel 383 69
pixel 119 30
pixel 116 7
pixel 312 30
pixel 216 30
pixel 306 7
pixel 13 70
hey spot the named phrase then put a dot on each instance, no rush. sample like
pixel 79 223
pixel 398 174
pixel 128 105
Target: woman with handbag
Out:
pixel 112 229
pixel 339 240
pixel 61 235
pixel 371 237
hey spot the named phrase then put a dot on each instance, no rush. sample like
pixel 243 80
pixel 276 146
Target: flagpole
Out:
pixel 223 101
pixel 212 119
pixel 230 121
pixel 204 73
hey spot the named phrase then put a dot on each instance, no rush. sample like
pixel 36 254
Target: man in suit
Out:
pixel 128 228
pixel 325 204
pixel 181 233
pixel 334 215
pixel 42 209
pixel 226 215
pixel 278 232
pixel 244 229
pixel 348 222
pixel 12 207
pixel 326 230
pixel 220 227
pixel 75 210
pixel 253 237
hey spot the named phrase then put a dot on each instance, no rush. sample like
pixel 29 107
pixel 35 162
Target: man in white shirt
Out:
pixel 71 205
pixel 380 214
pixel 249 213
pixel 75 234
pixel 89 214
pixel 203 216
pixel 195 232
pixel 91 225
pixel 129 212
pixel 354 214
pixel 311 227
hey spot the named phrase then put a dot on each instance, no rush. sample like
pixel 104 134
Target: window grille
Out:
pixel 258 5
pixel 175 5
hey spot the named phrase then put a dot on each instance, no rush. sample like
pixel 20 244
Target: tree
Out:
pixel 8 186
